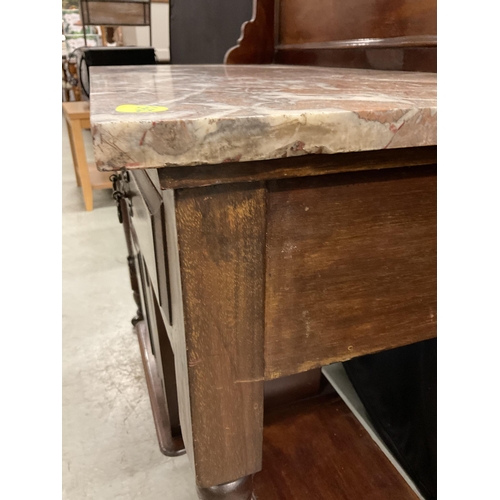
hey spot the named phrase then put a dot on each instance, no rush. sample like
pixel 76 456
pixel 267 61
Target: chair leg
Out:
pixel 81 162
pixel 73 154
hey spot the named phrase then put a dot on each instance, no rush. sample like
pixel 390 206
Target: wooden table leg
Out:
pixel 73 154
pixel 221 233
pixel 80 160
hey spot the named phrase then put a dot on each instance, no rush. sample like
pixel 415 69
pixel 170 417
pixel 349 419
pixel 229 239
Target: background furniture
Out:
pixel 74 37
pixel 77 115
pixel 202 32
pixel 116 13
pixel 112 36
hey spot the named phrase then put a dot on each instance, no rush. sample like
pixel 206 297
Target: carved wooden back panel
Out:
pixel 337 20
pixel 377 34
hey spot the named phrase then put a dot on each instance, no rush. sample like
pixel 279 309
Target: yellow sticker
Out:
pixel 134 108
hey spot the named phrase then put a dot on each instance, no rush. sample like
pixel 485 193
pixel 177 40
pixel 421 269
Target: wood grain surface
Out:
pixel 316 449
pixel 299 166
pixel 148 223
pixel 221 233
pixel 350 266
pixel 398 35
pixel 256 43
pixel 333 20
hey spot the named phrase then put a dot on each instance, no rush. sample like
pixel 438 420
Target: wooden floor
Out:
pixel 317 450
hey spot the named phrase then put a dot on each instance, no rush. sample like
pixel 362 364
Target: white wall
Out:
pixel 139 35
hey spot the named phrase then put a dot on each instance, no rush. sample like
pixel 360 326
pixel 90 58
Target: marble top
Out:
pixel 227 113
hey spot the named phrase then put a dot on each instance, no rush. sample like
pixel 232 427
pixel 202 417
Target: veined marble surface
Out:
pixel 228 113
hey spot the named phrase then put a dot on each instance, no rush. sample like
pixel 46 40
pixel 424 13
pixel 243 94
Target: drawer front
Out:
pixel 351 266
pixel 147 227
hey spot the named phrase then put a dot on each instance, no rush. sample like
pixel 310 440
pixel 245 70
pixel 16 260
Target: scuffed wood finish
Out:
pixel 351 266
pixel 317 450
pixel 256 43
pixel 221 232
pixel 301 166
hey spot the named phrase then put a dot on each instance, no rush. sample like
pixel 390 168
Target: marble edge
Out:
pixel 202 141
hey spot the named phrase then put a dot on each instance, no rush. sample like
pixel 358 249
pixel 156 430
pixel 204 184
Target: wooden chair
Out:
pixel 77 115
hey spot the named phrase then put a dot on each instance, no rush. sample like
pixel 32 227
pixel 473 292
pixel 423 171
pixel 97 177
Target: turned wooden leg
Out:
pixel 241 489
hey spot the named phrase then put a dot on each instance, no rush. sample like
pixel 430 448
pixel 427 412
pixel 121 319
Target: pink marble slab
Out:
pixel 224 113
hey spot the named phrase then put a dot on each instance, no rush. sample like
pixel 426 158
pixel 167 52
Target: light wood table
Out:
pixel 77 116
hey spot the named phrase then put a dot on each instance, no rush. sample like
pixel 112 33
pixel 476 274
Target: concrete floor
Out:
pixel 110 449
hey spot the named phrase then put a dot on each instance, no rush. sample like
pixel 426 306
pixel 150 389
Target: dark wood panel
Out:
pixel 395 35
pixel 329 20
pixel 256 43
pixel 169 438
pixel 393 59
pixel 286 390
pixel 168 370
pixel 148 220
pixel 221 237
pixel 141 222
pixel 300 166
pixel 316 449
pixel 351 266
pixel 372 43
